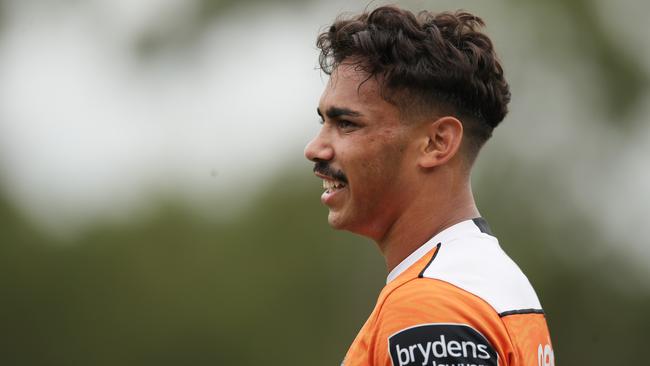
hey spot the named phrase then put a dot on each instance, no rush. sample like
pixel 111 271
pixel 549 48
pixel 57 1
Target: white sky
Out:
pixel 86 130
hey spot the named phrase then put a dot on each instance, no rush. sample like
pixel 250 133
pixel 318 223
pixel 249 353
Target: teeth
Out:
pixel 332 185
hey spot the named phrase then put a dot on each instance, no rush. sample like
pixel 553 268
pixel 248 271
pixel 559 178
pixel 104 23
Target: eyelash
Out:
pixel 341 124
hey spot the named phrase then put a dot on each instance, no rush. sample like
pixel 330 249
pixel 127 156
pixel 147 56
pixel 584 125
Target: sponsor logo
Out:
pixel 545 355
pixel 441 345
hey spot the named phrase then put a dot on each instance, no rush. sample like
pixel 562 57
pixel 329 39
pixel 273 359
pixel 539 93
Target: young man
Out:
pixel 410 102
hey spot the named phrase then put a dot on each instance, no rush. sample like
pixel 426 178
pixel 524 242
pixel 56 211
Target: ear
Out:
pixel 443 141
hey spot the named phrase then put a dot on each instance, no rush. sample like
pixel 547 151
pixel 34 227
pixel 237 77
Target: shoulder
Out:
pixel 468 257
pixel 452 305
pixel 428 301
pixel 425 319
pixel 475 263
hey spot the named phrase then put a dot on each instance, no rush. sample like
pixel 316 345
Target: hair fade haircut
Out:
pixel 425 61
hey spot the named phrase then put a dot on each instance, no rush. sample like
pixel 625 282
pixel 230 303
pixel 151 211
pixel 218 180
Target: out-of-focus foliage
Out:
pixel 588 42
pixel 208 10
pixel 184 30
pixel 585 41
pixel 277 286
pixel 2 15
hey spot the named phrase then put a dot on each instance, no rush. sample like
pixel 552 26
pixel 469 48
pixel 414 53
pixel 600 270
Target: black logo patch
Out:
pixel 441 345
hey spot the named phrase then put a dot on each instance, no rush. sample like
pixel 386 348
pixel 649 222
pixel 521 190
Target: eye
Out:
pixel 345 125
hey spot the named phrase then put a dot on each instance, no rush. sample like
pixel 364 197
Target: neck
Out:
pixel 423 219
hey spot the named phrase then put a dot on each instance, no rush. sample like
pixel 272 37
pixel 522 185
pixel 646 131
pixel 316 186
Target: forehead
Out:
pixel 349 87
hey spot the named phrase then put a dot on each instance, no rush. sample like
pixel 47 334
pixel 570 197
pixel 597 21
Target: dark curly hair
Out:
pixel 425 61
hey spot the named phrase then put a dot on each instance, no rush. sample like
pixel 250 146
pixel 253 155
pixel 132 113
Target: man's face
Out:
pixel 362 153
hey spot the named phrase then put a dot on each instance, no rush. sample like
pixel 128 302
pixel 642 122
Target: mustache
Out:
pixel 324 168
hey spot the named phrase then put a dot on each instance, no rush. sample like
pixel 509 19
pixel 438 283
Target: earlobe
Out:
pixel 443 138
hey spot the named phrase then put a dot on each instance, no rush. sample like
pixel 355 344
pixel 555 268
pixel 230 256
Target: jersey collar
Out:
pixel 446 235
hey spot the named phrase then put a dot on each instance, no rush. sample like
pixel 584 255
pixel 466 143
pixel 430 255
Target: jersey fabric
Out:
pixel 458 300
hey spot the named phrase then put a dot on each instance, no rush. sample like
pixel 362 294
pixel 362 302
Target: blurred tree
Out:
pixel 275 286
pixel 183 31
pixel 272 286
pixel 588 41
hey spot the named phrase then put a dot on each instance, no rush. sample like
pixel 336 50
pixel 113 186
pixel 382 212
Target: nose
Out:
pixel 319 148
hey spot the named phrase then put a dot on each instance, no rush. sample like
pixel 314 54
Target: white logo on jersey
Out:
pixel 441 344
pixel 545 356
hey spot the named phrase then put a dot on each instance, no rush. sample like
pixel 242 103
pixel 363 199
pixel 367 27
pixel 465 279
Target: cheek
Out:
pixel 390 157
pixel 381 168
pixel 376 159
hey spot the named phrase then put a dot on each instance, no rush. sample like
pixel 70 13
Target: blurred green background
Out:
pixel 155 208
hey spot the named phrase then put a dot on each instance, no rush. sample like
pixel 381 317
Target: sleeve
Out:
pixel 430 322
pixel 531 338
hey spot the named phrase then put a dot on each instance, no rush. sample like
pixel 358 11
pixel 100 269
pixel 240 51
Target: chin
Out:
pixel 335 221
pixel 356 224
pixel 339 220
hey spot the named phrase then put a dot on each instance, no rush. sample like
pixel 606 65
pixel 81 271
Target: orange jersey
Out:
pixel 458 300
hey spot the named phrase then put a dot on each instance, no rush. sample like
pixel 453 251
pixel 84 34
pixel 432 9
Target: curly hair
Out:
pixel 424 61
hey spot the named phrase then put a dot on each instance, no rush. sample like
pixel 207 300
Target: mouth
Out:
pixel 332 186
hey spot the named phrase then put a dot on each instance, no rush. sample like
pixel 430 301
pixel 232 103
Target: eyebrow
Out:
pixel 334 112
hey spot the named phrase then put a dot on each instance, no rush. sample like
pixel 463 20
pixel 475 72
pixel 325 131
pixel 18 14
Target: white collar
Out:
pixel 445 235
